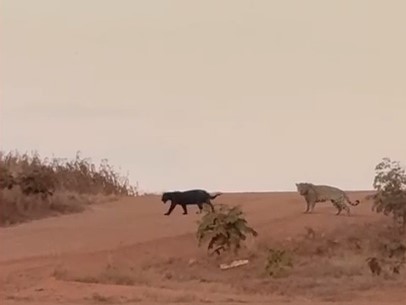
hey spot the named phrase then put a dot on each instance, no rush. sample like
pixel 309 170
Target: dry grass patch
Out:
pixel 33 188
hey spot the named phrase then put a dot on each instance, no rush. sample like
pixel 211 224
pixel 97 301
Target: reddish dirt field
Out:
pixel 128 252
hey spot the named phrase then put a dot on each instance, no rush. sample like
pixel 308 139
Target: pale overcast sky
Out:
pixel 223 95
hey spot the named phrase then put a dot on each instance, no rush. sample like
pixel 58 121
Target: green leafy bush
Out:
pixel 225 229
pixel 390 186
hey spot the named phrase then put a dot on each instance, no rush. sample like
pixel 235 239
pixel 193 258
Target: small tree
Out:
pixel 390 186
pixel 225 229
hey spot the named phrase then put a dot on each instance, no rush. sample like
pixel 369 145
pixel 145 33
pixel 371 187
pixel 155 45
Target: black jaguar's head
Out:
pixel 166 197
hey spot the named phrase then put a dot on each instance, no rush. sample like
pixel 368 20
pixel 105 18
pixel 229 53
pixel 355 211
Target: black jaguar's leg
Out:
pixel 200 206
pixel 173 205
pixel 184 209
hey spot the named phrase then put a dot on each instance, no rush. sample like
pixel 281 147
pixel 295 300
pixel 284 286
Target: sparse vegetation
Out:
pixel 391 258
pixel 32 187
pixel 309 267
pixel 225 229
pixel 390 186
pixel 374 265
pixel 278 262
pixel 101 298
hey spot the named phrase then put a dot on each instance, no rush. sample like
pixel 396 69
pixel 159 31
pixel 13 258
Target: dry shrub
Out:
pixel 16 207
pixel 278 261
pixel 79 175
pixel 31 187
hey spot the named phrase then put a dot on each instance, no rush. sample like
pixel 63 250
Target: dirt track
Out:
pixel 136 230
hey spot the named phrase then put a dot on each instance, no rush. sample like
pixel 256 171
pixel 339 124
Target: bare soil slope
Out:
pixel 128 252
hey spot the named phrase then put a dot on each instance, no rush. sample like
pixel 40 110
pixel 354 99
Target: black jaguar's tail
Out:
pixel 215 195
